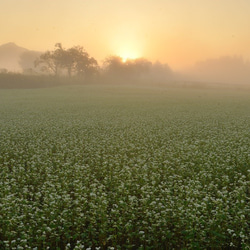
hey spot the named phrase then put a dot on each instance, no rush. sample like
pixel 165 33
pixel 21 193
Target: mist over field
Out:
pixel 222 71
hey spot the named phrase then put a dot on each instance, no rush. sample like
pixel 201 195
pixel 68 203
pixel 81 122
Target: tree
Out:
pixel 50 60
pixel 75 60
pixel 114 66
pixel 84 64
pixel 139 70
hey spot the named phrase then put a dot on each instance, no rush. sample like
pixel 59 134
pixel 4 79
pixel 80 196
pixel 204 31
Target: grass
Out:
pixel 124 167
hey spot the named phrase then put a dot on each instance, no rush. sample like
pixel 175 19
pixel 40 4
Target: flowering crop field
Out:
pixel 107 167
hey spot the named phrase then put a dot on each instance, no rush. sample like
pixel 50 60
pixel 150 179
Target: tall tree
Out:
pixel 78 62
pixel 75 60
pixel 84 64
pixel 50 61
pixel 114 65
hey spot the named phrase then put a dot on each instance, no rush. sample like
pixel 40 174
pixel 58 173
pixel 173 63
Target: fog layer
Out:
pixel 222 70
pixel 226 69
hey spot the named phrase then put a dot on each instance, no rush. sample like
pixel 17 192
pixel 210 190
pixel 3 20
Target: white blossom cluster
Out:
pixel 124 168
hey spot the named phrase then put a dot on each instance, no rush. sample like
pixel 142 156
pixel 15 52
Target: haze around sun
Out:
pixel 179 33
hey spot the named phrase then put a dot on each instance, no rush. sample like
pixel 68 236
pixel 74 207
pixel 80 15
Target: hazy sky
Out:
pixel 177 32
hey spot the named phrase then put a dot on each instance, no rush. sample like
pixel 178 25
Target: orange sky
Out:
pixel 178 32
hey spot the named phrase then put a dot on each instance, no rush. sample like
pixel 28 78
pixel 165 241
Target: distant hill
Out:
pixel 16 58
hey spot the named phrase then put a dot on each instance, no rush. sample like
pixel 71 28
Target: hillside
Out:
pixel 11 55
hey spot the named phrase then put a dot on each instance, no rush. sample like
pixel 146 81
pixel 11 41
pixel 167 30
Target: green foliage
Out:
pixel 105 167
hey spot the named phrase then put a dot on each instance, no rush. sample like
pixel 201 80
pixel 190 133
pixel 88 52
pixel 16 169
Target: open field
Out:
pixel 124 167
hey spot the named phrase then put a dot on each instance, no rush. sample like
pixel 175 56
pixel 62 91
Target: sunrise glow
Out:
pixel 179 33
pixel 128 49
pixel 127 56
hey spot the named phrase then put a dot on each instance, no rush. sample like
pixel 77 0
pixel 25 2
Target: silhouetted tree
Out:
pixel 75 60
pixel 113 65
pixel 140 70
pixel 138 67
pixel 50 61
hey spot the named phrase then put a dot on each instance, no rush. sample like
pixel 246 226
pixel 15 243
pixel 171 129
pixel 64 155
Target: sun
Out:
pixel 126 43
pixel 127 52
pixel 124 59
pixel 128 56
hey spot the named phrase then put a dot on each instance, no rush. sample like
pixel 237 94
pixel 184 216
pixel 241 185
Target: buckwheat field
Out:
pixel 124 167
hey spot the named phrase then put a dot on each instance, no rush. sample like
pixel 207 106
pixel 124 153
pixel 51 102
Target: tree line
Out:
pixel 75 61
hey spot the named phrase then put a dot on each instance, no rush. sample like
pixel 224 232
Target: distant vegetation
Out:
pixel 17 80
pixel 78 67
pixel 75 65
